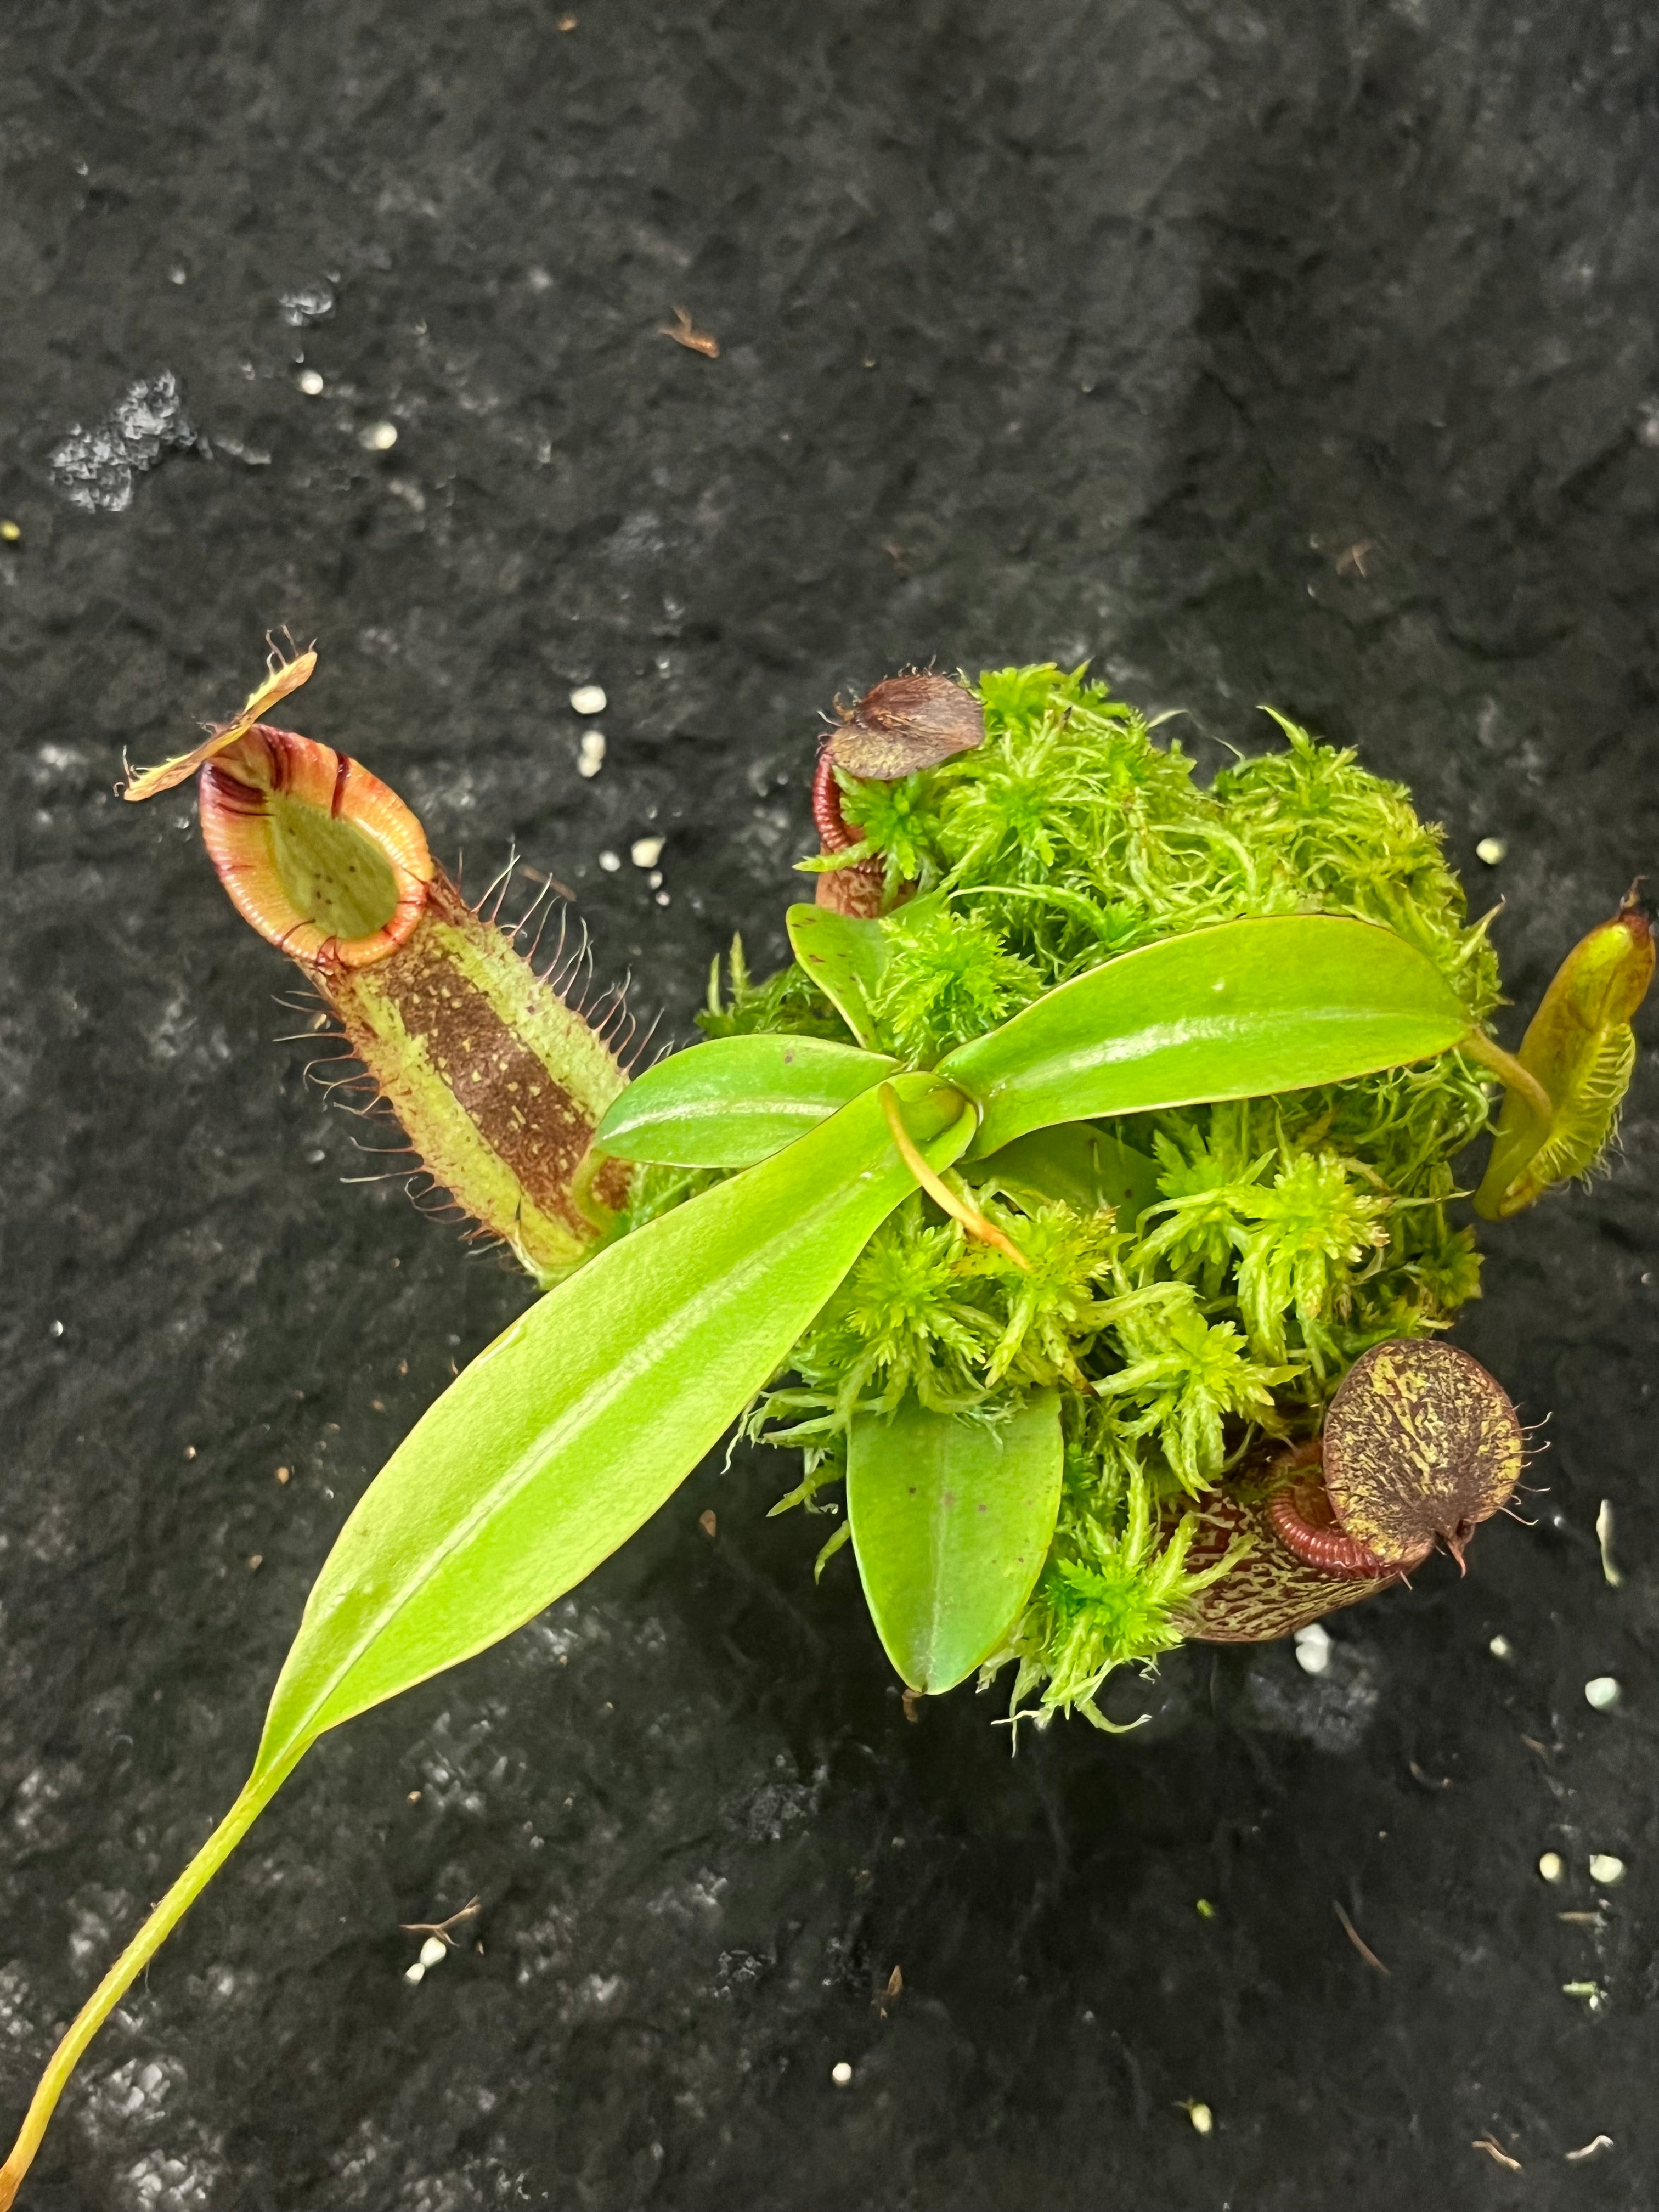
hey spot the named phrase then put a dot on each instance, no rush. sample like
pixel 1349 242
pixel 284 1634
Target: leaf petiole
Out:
pixel 940 1192
pixel 261 1787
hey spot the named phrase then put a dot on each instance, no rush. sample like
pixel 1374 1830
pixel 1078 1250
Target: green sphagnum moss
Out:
pixel 1288 1233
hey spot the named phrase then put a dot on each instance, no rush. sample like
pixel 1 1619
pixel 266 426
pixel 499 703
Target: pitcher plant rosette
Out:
pixel 1080 1203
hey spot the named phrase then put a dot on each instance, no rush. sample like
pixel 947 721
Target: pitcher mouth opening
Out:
pixel 315 852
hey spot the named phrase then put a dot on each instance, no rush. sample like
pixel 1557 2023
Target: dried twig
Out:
pixel 1357 1940
pixel 440 1929
pixel 1604 1538
pixel 1494 2151
pixel 685 333
pixel 1593 2148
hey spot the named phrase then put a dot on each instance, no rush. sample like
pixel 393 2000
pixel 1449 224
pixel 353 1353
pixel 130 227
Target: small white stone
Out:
pixel 1602 1691
pixel 1605 1869
pixel 1501 1648
pixel 662 898
pixel 310 382
pixel 1313 1649
pixel 1551 1867
pixel 416 1974
pixel 591 759
pixel 646 852
pixel 1490 850
pixel 1201 2118
pixel 610 862
pixel 378 437
pixel 588 699
pixel 840 2074
pixel 433 1951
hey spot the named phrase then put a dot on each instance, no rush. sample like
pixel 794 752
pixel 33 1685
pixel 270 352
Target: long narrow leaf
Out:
pixel 549 1450
pixel 736 1101
pixel 952 1522
pixel 577 1423
pixel 1237 1011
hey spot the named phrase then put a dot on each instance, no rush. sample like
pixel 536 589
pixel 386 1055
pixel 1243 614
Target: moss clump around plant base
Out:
pixel 1266 1245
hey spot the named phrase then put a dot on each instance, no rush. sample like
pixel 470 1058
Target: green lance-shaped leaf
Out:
pixel 550 1452
pixel 1237 1011
pixel 951 1521
pixel 736 1101
pixel 846 958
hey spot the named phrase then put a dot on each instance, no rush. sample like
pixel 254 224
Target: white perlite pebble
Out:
pixel 310 382
pixel 610 862
pixel 588 699
pixel 378 437
pixel 1605 1869
pixel 433 1951
pixel 591 759
pixel 840 2074
pixel 1602 1691
pixel 646 852
pixel 1490 850
pixel 1313 1649
pixel 416 1974
pixel 1551 1866
pixel 1501 1648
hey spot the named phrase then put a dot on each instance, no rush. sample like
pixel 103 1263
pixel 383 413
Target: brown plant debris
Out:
pixel 685 333
pixel 440 1929
pixel 1357 1940
pixel 1593 2148
pixel 1496 2152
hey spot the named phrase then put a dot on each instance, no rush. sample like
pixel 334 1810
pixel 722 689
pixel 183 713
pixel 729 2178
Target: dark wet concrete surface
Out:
pixel 1300 353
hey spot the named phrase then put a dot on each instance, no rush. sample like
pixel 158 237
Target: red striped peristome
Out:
pixel 239 790
pixel 860 890
pixel 1305 1522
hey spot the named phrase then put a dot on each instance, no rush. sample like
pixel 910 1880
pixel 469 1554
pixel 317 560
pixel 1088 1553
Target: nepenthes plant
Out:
pixel 1080 1202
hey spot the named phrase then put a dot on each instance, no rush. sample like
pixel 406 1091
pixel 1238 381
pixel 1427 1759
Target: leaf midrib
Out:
pixel 680 1323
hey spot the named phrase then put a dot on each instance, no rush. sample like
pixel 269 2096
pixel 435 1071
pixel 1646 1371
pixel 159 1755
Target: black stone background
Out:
pixel 1064 329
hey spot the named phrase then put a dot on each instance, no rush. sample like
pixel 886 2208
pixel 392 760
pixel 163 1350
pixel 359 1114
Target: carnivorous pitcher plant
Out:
pixel 1079 1202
